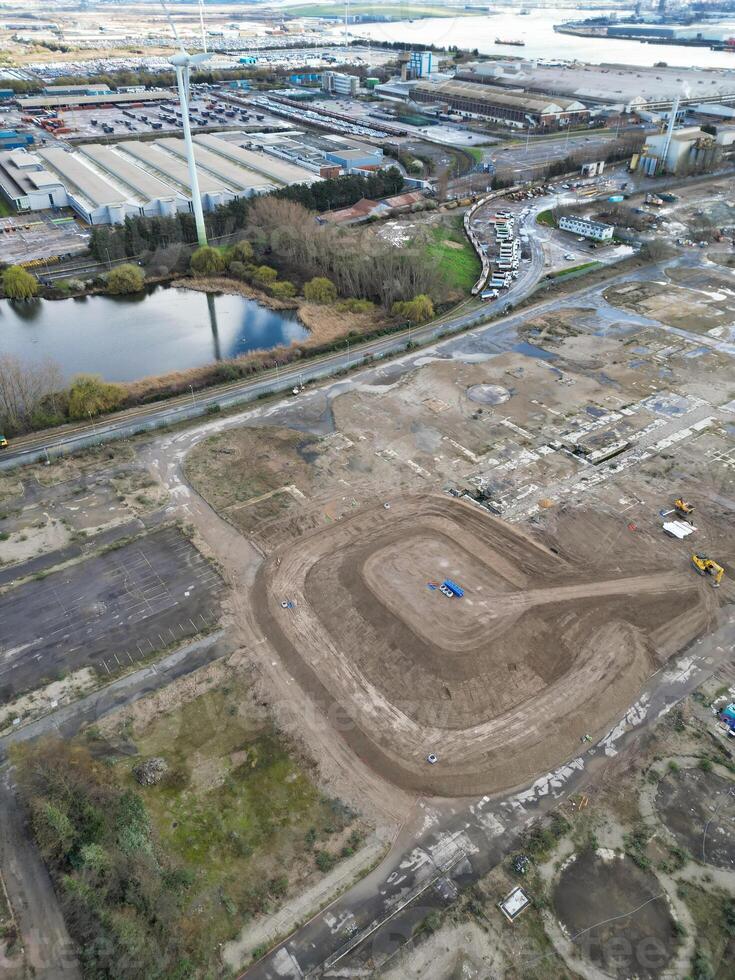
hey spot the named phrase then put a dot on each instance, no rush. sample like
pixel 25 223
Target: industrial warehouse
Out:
pixel 105 184
pixel 512 108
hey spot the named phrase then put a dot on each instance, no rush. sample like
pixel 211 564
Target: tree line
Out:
pixel 123 901
pixel 140 234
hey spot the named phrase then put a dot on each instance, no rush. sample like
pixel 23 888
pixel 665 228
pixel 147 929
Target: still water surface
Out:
pixel 541 40
pixel 126 338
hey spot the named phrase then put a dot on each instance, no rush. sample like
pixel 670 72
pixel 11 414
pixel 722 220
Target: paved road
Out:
pixel 106 612
pixel 35 448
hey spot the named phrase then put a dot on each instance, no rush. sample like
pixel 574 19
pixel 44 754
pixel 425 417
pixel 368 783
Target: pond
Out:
pixel 124 338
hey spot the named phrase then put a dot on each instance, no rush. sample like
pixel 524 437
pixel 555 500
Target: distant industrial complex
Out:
pixel 105 184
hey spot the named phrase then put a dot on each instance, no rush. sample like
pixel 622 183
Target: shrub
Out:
pixel 264 275
pixel 355 305
pixel 324 861
pixel 241 252
pixel 283 290
pixel 207 261
pixel 125 278
pixel 18 283
pixel 238 269
pixel 90 395
pixel 416 310
pixel 320 290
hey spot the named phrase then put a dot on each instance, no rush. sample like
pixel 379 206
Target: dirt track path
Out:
pixel 308 722
pixel 611 658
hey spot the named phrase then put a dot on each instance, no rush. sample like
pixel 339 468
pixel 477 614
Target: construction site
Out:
pixel 548 640
pixel 546 471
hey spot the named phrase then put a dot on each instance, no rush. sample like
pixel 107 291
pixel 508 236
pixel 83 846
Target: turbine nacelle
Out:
pixel 186 60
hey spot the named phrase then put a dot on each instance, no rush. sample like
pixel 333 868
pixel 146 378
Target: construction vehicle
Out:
pixel 683 509
pixel 705 566
pixel 3 441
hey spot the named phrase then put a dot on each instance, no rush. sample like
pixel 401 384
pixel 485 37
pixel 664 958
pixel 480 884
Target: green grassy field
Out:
pixel 397 11
pixel 546 218
pixel 238 809
pixel 583 267
pixel 454 256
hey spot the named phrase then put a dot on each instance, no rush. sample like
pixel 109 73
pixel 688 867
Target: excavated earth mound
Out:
pixel 554 637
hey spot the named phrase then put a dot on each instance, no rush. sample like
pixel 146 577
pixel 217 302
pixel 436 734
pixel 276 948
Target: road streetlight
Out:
pixel 193 397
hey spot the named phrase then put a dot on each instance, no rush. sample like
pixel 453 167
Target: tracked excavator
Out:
pixel 683 509
pixel 705 566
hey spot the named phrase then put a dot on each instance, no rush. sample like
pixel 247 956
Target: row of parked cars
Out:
pixel 508 255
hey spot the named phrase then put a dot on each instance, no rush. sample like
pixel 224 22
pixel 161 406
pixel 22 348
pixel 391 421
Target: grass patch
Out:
pixel 476 152
pixel 583 267
pixel 459 266
pixel 713 912
pixel 546 218
pixel 237 810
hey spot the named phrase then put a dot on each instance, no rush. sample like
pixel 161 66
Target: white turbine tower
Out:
pixel 182 64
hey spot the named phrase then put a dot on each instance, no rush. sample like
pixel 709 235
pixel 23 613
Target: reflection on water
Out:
pixel 128 337
pixel 211 306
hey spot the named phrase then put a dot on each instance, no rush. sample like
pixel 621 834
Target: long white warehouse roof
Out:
pixel 206 160
pixel 262 163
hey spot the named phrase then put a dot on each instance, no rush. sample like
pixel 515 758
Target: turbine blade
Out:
pixel 173 27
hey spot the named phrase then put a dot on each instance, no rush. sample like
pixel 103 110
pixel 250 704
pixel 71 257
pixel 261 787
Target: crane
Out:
pixel 706 566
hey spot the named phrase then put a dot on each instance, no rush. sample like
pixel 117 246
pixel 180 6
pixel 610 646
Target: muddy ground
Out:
pixel 552 638
pixel 698 808
pixel 617 914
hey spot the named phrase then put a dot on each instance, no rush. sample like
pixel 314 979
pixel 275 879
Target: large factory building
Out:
pixel 517 109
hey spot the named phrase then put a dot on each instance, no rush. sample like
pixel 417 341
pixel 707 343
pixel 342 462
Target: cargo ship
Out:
pixel 513 44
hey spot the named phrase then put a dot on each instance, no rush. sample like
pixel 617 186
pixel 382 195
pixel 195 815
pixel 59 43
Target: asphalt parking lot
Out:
pixel 41 234
pixel 106 612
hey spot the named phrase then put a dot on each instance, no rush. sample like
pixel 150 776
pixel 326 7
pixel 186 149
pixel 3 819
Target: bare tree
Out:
pixel 24 390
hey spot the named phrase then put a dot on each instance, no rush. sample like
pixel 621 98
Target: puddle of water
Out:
pixel 530 350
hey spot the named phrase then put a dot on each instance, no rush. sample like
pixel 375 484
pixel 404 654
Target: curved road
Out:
pixel 54 442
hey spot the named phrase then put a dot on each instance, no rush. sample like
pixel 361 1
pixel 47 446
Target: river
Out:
pixel 541 40
pixel 127 338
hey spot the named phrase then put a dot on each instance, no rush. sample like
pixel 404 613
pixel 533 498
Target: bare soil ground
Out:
pixel 550 641
pixel 699 810
pixel 696 301
pixel 617 914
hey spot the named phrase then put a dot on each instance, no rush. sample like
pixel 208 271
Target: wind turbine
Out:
pixel 201 22
pixel 182 64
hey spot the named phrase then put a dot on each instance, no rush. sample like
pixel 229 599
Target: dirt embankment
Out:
pixel 325 323
pixel 549 642
pixel 221 284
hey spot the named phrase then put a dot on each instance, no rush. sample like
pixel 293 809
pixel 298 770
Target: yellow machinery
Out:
pixel 705 566
pixel 683 509
pixel 3 441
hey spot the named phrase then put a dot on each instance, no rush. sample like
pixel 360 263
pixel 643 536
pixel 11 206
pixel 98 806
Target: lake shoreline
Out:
pixel 233 287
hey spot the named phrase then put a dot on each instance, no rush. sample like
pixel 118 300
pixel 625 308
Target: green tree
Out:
pixel 283 290
pixel 242 252
pixel 264 275
pixel 416 310
pixel 90 395
pixel 125 278
pixel 207 261
pixel 18 283
pixel 320 290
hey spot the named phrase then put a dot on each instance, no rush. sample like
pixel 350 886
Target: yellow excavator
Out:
pixel 705 566
pixel 683 509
